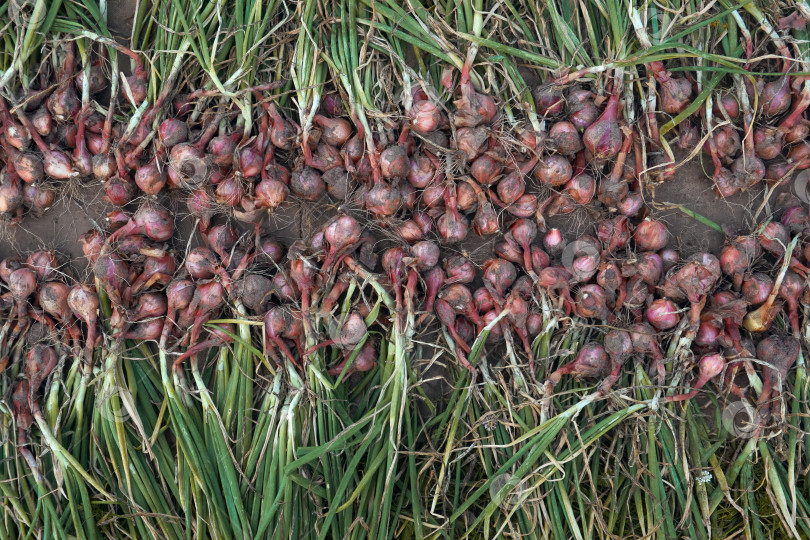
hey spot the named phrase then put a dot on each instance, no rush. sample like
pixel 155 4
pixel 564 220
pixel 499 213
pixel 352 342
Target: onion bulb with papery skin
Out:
pixel 779 353
pixel 663 314
pixel 554 170
pixel 458 270
pixel 307 184
pixel 710 366
pixel 591 362
pixel 471 141
pixel 394 162
pixel 424 116
pixel 511 187
pixel 776 97
pixel 548 99
pixel 564 138
pixel 553 241
pixel 485 169
pixel 422 171
pixel 651 235
pixel 172 132
pixel 38 198
pixel 603 138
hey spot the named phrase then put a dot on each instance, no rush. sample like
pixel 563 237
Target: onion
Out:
pixel 151 177
pixel 591 362
pixel 790 291
pixel 472 108
pixel 757 288
pixel 486 169
pixel 614 234
pixel 555 280
pixel 270 193
pixel 554 170
pixel 471 141
pixel 499 275
pixel 394 162
pixel 586 259
pixel 509 249
pixel 39 363
pixel 383 199
pixel 307 184
pixel 425 116
pixel 645 342
pixel 676 93
pixel 103 166
pixel 774 237
pixel 709 331
pixel 710 366
pixel 172 131
pixel 651 235
pixel 152 221
pixel 150 305
pixel 591 303
pixel 603 138
pixel 778 353
pixel 44 263
pixel 618 346
pixel 230 191
pixel 768 142
pixel 466 196
pixel 564 138
pixel 12 196
pixel 726 102
pixel 365 360
pixel 52 297
pixel 663 314
pixel 42 121
pixel 459 298
pixel 27 166
pixel 157 269
pixel 422 171
pixel 796 218
pixel 334 131
pixel 434 280
pixel 511 187
pixel 341 234
pixel 581 188
pixel 670 258
pixel 410 231
pixel 83 302
pixel 112 271
pixel 581 108
pixel 458 269
pixel 524 207
pixel 637 294
pixel 776 97
pixel 698 277
pixel 201 263
pixel 16 135
pixel 687 135
pixel 452 226
pixel 553 242
pixel 56 164
pixel 548 100
pixel 483 300
pixel 631 204
pixel 610 278
pixel 425 255
pixel 650 267
pixel 726 141
pixel 735 260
